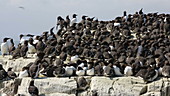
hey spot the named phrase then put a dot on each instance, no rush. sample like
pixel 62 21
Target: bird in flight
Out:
pixel 21 7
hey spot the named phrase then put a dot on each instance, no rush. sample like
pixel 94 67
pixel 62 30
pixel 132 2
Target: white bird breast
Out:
pixel 31 48
pixel 23 74
pixel 80 73
pixel 4 48
pixel 90 72
pixel 117 71
pixel 128 71
pixel 69 71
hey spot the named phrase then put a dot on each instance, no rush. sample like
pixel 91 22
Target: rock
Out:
pixel 50 85
pixel 118 86
pixel 7 88
pixel 16 64
pixel 129 85
pixel 84 93
pixel 102 85
pixel 58 94
pixel 152 94
pixel 165 91
pixel 155 86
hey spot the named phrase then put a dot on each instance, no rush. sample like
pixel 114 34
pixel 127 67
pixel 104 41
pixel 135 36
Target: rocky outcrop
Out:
pixel 64 86
pixel 50 86
pixel 103 86
pixel 118 86
pixel 16 64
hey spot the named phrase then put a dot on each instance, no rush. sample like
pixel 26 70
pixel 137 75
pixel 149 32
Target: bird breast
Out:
pixel 90 72
pixel 80 72
pixel 117 71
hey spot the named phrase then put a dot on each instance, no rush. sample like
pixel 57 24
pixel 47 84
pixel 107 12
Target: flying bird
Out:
pixel 21 7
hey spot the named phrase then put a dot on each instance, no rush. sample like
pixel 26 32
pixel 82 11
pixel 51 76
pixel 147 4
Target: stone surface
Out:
pixel 16 64
pixel 118 86
pixel 7 87
pixel 152 94
pixel 155 86
pixel 50 85
pixel 103 85
pixel 59 94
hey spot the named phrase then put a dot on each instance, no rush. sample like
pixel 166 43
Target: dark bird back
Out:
pixel 32 89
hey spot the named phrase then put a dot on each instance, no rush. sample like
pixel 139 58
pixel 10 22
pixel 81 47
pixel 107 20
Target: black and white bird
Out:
pixel 90 70
pixel 4 47
pixel 31 46
pixel 24 72
pixel 83 21
pixel 128 71
pixel 80 71
pixel 11 46
pixel 117 70
pixel 73 20
pixel 67 21
pixel 34 69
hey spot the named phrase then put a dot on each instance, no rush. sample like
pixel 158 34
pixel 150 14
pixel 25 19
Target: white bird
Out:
pixel 68 71
pixel 128 71
pixel 23 73
pixel 139 51
pixel 111 47
pixel 31 49
pixel 81 65
pixel 160 71
pixel 9 43
pixel 35 38
pixel 117 70
pixel 90 72
pixel 104 67
pixel 23 38
pixel 85 68
pixel 4 47
pixel 80 71
pixel 74 58
pixel 73 20
pixel 116 24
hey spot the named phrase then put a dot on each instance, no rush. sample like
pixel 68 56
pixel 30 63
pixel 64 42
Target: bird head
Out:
pixel 67 17
pixel 84 17
pixel 10 69
pixel 5 39
pixel 74 15
pixel 59 18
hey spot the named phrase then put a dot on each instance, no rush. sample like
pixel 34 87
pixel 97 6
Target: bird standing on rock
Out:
pixel 11 47
pixel 73 20
pixel 3 73
pixel 11 74
pixel 32 89
pixel 24 49
pixel 4 47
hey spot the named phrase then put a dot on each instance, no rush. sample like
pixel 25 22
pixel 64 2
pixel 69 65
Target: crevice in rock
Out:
pixel 162 88
pixel 144 90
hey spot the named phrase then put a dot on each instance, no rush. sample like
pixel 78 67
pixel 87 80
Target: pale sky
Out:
pixel 40 15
